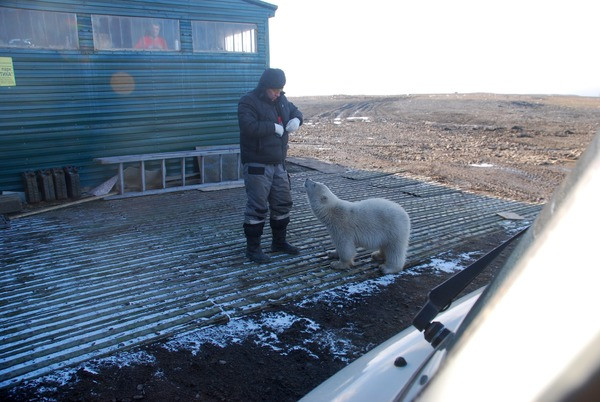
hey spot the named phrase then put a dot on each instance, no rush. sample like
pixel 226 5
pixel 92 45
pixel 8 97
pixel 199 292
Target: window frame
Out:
pixel 124 33
pixel 33 28
pixel 225 37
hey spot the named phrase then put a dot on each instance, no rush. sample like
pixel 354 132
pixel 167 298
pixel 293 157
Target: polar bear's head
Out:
pixel 319 195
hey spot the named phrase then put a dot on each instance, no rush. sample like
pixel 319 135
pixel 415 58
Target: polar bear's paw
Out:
pixel 389 270
pixel 339 265
pixel 378 256
pixel 332 254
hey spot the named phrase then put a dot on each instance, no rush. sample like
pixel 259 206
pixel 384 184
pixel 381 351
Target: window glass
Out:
pixel 37 29
pixel 214 36
pixel 131 33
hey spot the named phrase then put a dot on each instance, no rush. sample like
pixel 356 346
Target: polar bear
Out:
pixel 374 223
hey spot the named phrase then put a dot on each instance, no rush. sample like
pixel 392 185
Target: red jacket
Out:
pixel 149 42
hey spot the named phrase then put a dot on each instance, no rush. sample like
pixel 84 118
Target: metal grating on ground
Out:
pixel 95 278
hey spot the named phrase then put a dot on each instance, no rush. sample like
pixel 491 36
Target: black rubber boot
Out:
pixel 253 249
pixel 279 228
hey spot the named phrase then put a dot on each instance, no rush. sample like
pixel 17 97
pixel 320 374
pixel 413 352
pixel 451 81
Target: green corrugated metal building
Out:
pixel 75 84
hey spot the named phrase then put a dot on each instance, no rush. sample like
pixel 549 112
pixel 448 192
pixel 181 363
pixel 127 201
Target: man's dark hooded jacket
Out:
pixel 257 116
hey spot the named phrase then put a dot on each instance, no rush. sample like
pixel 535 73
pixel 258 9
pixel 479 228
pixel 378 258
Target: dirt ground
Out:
pixel 518 147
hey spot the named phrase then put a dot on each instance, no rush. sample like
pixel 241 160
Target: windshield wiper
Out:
pixel 441 296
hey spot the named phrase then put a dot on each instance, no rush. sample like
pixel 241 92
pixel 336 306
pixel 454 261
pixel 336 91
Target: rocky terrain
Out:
pixel 518 147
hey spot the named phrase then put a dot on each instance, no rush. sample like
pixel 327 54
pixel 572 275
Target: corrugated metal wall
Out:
pixel 67 107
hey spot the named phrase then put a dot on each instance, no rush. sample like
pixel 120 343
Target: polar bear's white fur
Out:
pixel 374 223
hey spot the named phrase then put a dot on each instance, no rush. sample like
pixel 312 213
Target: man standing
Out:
pixel 266 118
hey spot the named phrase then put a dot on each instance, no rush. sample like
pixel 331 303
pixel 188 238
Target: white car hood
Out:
pixel 374 376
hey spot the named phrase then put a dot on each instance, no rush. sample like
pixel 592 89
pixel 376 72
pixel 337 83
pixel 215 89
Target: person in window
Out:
pixel 104 41
pixel 152 40
pixel 266 118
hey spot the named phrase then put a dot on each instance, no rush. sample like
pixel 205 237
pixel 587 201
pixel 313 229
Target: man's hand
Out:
pixel 292 125
pixel 278 129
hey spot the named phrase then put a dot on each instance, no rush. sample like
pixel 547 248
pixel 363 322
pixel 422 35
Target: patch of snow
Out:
pixel 450 265
pixel 364 119
pixel 482 165
pixel 347 291
pixel 444 266
pixel 264 332
pixel 59 377
pixel 122 359
pixel 63 376
pixel 514 226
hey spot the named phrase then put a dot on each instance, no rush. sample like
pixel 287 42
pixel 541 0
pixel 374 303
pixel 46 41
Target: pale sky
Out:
pixel 395 47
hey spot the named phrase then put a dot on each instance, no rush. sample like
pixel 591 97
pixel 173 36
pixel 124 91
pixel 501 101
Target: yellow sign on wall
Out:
pixel 7 73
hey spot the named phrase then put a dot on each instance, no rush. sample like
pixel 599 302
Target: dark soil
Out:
pixel 532 143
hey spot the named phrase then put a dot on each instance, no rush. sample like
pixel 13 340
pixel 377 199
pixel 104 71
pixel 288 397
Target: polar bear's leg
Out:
pixel 395 258
pixel 332 254
pixel 346 250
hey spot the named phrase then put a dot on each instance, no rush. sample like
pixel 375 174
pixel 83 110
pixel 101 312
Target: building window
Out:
pixel 130 33
pixel 213 36
pixel 37 29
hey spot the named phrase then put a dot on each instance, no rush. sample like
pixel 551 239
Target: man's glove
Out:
pixel 292 125
pixel 278 129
